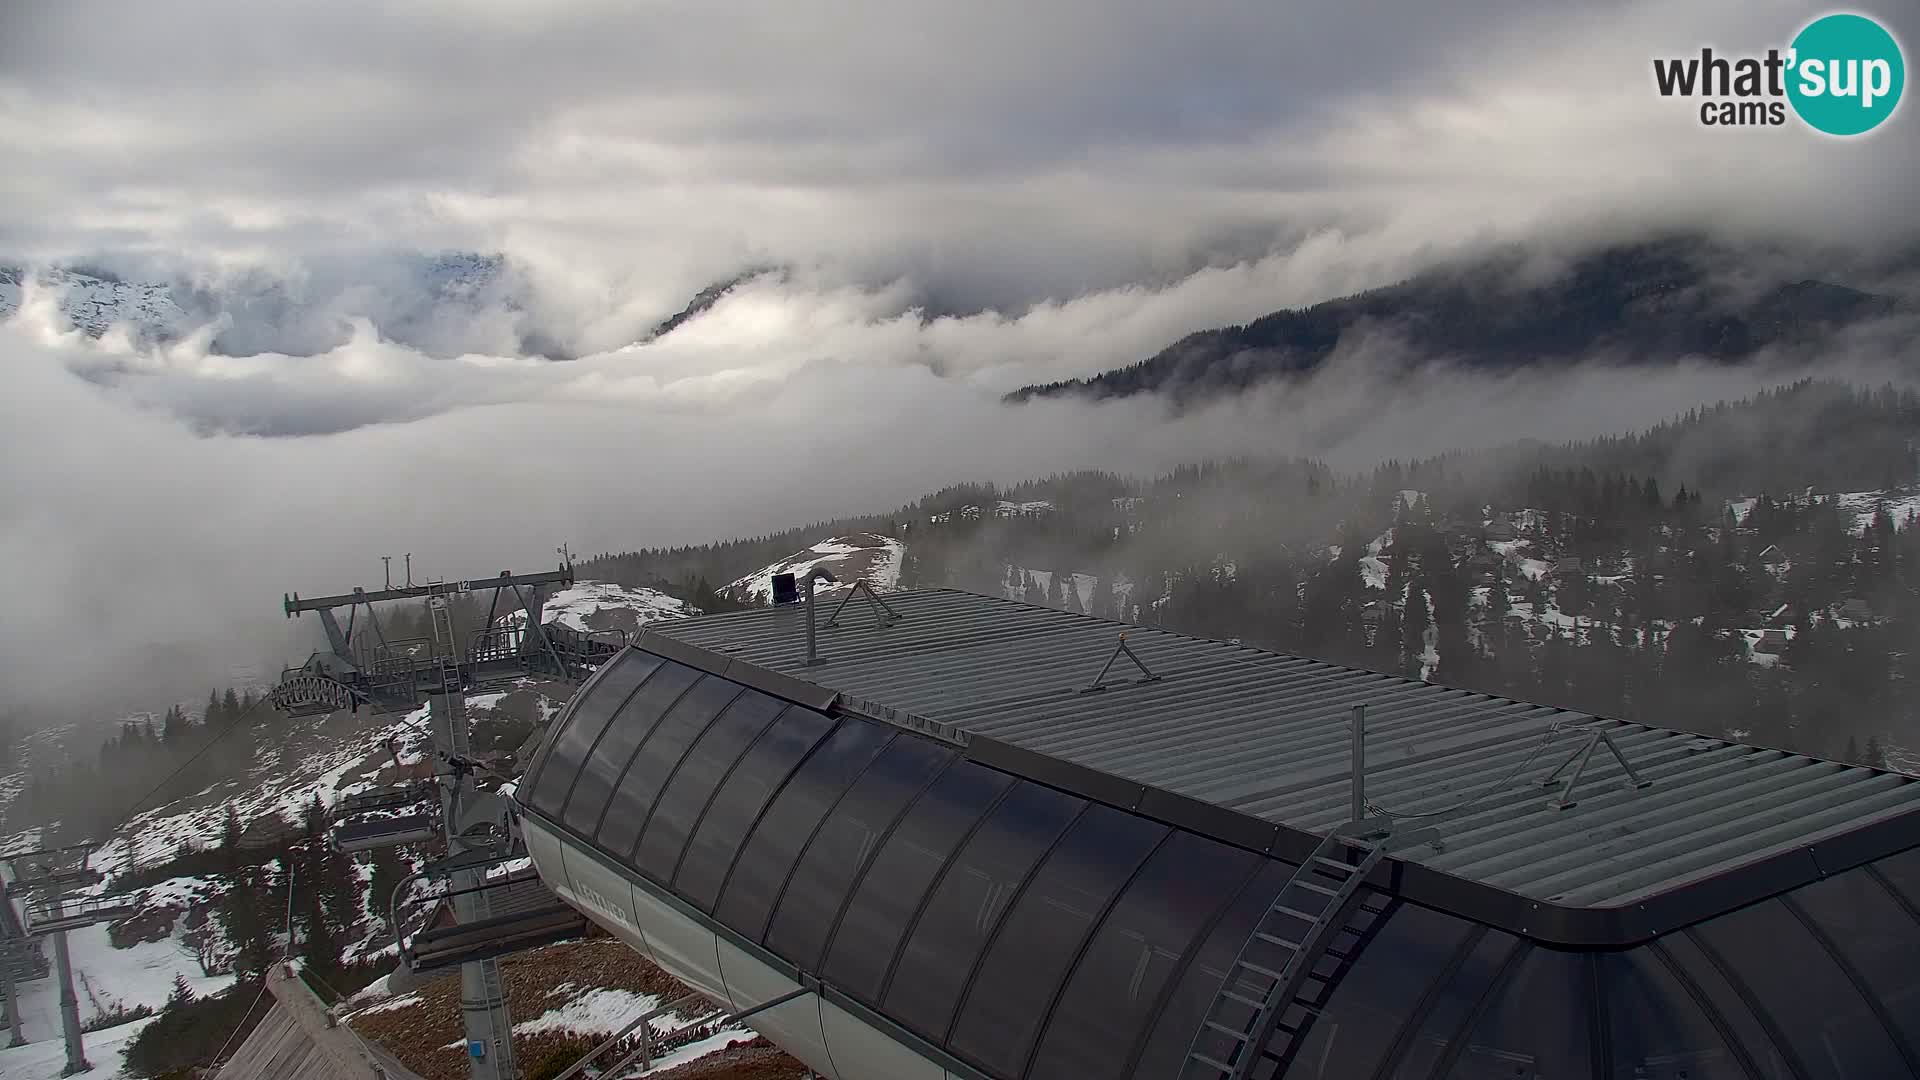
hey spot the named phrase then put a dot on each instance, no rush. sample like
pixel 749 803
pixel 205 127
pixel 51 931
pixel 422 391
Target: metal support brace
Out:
pixel 1358 808
pixel 10 950
pixel 1579 759
pixel 1122 649
pixel 483 1000
pixel 69 1009
pixel 814 577
pixel 533 627
pixel 883 613
pixel 337 638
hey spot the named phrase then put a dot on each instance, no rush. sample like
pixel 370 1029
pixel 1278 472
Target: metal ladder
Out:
pixel 446 650
pixel 1279 957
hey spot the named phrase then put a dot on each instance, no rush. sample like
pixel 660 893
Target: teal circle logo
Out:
pixel 1846 74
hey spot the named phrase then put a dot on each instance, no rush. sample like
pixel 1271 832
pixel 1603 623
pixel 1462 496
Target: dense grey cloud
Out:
pixel 991 154
pixel 962 198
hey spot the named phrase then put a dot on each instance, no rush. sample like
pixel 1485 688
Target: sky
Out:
pixel 961 198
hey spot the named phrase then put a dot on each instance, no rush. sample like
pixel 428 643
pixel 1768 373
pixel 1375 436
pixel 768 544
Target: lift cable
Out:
pixel 132 848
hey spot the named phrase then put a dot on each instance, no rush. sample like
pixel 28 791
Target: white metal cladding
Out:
pixel 795 1024
pixel 1268 735
pixel 832 1042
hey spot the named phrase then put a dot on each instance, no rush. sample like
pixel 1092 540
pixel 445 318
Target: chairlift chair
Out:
pixel 389 817
pixel 539 918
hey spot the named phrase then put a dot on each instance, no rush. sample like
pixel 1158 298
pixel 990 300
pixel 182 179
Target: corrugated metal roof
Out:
pixel 1268 735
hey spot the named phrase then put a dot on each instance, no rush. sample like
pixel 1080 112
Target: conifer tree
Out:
pixel 321 947
pixel 230 830
pixel 1498 602
pixel 1414 622
pixel 388 871
pixel 1102 605
pixel 182 994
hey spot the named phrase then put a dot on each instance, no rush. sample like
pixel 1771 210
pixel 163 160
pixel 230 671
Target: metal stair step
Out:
pixel 1275 1027
pixel 1237 1034
pixel 1291 946
pixel 1258 970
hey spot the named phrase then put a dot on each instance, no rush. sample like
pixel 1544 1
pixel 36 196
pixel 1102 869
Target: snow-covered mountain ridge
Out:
pixel 867 557
pixel 94 304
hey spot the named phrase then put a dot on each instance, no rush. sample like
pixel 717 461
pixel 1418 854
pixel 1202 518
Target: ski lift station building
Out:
pixel 976 838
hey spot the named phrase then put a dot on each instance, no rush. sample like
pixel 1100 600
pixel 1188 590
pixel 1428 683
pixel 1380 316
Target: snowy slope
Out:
pixel 96 304
pixel 1857 505
pixel 867 557
pixel 335 757
pixel 104 977
pixel 1861 505
pixel 601 605
pixel 45 1058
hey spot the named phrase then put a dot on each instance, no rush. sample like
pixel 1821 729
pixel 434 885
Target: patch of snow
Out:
pixel 1902 760
pixel 405 1001
pixel 289 775
pixel 94 305
pixel 141 975
pixel 1374 569
pixel 32 838
pixel 598 1012
pixel 867 557
pixel 1861 505
pixel 694 1051
pixel 1083 586
pixel 46 1057
pixel 511 866
pixel 577 605
pixel 377 990
pixel 180 892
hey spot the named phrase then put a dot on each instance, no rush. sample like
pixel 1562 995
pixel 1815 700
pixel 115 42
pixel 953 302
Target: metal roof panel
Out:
pixel 1267 735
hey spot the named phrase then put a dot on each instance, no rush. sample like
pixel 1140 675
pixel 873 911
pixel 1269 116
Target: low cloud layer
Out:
pixel 151 559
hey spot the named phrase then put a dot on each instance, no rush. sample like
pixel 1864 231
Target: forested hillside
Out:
pixel 1653 302
pixel 1744 568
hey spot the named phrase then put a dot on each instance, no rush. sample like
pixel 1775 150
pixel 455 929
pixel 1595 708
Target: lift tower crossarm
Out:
pixel 296 604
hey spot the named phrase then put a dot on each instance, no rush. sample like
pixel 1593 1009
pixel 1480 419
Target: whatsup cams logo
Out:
pixel 1841 75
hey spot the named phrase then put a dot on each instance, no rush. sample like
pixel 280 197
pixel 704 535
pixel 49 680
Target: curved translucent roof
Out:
pixel 1013 929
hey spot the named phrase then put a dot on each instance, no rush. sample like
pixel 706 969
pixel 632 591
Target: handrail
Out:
pixel 645 1019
